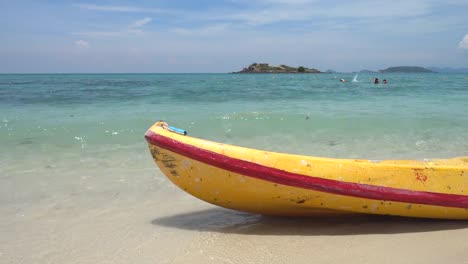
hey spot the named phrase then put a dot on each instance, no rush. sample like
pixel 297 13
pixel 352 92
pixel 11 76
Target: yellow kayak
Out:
pixel 272 183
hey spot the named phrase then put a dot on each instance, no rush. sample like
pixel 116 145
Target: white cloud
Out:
pixel 98 33
pixel 267 12
pixel 369 9
pixel 264 12
pixel 141 22
pixel 362 13
pixel 464 43
pixel 128 9
pixel 81 44
pixel 132 29
pixel 208 30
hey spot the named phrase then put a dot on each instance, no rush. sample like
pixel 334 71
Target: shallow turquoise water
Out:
pixel 414 116
pixel 68 135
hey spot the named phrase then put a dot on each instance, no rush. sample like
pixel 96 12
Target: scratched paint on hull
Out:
pixel 237 190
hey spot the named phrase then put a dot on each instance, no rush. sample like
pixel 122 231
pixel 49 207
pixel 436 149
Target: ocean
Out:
pixel 73 157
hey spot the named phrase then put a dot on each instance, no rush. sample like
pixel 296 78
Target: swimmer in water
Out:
pixel 342 80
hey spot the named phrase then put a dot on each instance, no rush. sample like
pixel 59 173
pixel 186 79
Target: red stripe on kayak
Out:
pixel 307 182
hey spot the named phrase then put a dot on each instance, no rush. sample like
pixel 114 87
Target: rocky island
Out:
pixel 406 69
pixel 266 68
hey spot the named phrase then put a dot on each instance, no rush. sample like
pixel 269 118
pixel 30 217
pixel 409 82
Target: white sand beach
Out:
pixel 140 217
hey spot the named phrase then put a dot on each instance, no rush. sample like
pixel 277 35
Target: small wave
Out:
pixel 355 78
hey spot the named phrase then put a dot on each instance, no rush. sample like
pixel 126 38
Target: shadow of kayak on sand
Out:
pixel 228 221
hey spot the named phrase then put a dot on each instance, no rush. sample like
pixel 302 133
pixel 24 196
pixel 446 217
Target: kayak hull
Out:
pixel 272 183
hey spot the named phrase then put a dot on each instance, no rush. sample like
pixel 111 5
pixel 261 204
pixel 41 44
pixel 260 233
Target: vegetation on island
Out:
pixel 406 69
pixel 266 68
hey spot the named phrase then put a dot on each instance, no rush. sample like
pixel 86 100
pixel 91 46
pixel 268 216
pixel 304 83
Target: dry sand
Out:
pixel 140 217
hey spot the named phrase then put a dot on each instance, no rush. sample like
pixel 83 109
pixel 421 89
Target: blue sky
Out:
pixel 225 35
